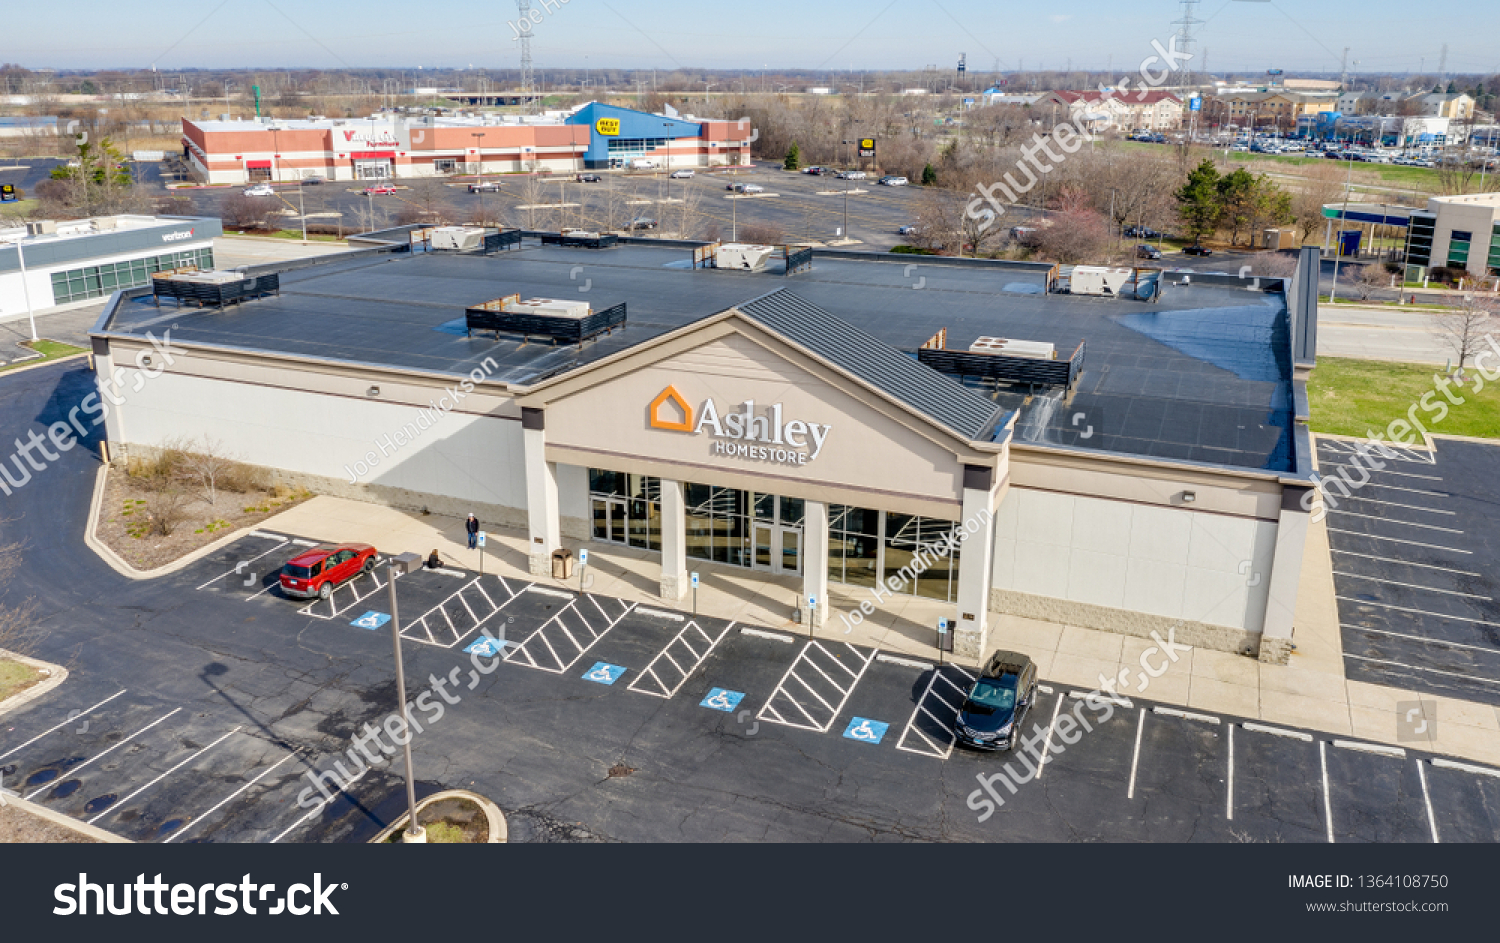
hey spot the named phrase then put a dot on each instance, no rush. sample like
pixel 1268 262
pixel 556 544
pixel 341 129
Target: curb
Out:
pixel 47 363
pixel 68 822
pixel 57 674
pixel 499 830
pixel 118 564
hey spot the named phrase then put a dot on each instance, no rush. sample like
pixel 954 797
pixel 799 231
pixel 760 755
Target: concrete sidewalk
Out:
pixel 1310 692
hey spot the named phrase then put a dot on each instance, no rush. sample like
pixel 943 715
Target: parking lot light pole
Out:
pixel 478 137
pixel 399 565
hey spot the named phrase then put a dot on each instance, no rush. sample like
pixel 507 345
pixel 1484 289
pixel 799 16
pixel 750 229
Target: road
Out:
pixel 1371 333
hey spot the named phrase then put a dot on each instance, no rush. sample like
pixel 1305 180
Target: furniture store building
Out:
pixel 793 425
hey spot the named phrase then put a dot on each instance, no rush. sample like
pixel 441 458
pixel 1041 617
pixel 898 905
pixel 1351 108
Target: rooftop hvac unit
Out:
pixel 457 238
pixel 1098 280
pixel 742 257
pixel 556 319
pixel 41 227
pixel 1035 350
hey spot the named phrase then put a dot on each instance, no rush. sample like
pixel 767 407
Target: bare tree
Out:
pixel 1321 184
pixel 536 211
pixel 206 464
pixel 1369 279
pixel 1466 327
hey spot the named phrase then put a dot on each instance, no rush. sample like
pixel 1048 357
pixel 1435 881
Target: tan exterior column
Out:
pixel 815 558
pixel 976 526
pixel 543 524
pixel 674 573
pixel 1286 575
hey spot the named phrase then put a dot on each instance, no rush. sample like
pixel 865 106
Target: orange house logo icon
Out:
pixel 659 421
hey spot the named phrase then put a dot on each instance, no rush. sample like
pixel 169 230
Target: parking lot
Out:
pixel 606 719
pixel 1415 564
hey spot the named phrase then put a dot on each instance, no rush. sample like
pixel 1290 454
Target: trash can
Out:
pixel 562 564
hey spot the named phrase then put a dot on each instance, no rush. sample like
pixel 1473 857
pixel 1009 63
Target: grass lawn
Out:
pixel 16 677
pixel 50 350
pixel 18 208
pixel 297 234
pixel 1354 397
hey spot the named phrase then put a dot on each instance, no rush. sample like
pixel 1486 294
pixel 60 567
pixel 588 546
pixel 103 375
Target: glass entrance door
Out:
pixel 777 549
pixel 609 519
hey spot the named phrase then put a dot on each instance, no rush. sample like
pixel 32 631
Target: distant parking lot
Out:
pixel 1416 564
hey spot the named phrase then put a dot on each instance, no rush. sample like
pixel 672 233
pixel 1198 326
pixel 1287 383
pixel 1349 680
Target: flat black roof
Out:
pixel 1202 375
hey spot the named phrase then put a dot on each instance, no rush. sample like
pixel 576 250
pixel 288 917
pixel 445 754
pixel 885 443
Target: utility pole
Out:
pixel 523 7
pixel 478 137
pixel 1344 70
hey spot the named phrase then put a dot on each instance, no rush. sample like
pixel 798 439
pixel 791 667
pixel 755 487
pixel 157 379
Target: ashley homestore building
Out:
pixel 824 425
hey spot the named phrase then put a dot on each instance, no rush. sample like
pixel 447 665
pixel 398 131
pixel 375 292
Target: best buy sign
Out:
pixel 608 126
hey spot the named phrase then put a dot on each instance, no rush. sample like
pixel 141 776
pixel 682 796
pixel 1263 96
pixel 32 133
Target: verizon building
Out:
pixel 825 428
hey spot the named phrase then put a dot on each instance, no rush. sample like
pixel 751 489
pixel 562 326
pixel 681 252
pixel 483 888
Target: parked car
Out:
pixel 892 181
pixel 852 175
pixel 1141 232
pixel 588 178
pixel 997 704
pixel 1197 250
pixel 318 572
pixel 260 189
pixel 745 188
pixel 486 186
pixel 681 174
pixel 907 231
pixel 643 163
pixel 383 190
pixel 643 223
pixel 312 180
pixel 1147 252
pixel 815 171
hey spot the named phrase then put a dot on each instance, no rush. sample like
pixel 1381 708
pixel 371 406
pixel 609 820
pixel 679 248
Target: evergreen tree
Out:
pixel 793 157
pixel 1198 203
pixel 929 176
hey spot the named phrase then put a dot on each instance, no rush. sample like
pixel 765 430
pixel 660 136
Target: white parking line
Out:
pixel 1376 748
pixel 1046 753
pixel 229 798
pixel 1278 732
pixel 117 806
pixel 1409 507
pixel 686 640
pixel 1427 799
pixel 1379 471
pixel 1327 800
pixel 579 647
pixel 1420 612
pixel 1418 638
pixel 305 543
pixel 1391 520
pixel 1229 791
pixel 659 614
pixel 844 692
pixel 1430 494
pixel 773 636
pixel 1436 671
pixel 261 533
pixel 1135 758
pixel 1398 540
pixel 1430 589
pixel 236 570
pixel 533 588
pixel 320 806
pixel 909 663
pixel 116 746
pixel 1429 566
pixel 941 751
pixel 63 724
pixel 1085 695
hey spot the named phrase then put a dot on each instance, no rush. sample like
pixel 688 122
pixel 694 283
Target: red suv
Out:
pixel 319 572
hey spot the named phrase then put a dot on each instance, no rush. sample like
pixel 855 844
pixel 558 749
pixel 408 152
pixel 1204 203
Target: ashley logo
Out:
pixel 670 410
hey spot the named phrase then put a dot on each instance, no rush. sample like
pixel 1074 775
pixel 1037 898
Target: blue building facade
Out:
pixel 620 135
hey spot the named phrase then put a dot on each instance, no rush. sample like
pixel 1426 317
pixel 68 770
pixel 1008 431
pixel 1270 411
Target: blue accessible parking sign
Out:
pixel 603 673
pixel 722 700
pixel 371 620
pixel 866 730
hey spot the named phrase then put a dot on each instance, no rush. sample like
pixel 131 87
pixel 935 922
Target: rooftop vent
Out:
pixel 555 319
pixel 211 288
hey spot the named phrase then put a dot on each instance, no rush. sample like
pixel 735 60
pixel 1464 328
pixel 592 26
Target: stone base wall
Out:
pixel 1219 638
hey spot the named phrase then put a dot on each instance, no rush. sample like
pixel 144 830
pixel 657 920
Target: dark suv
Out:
pixel 991 715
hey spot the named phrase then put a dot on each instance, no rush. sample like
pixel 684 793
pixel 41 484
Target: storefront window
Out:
pixel 625 509
pixel 853 544
pixel 904 534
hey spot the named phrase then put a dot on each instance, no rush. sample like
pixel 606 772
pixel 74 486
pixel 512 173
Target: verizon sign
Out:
pixel 177 236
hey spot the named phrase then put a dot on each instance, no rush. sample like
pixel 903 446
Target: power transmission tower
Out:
pixel 1186 35
pixel 528 79
pixel 1443 64
pixel 1344 70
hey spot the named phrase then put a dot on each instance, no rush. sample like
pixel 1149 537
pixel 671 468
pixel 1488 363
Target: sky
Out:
pixel 1236 35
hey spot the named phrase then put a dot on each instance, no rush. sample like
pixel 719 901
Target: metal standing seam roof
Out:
pixel 930 393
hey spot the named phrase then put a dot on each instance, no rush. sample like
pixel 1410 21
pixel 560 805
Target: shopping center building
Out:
pixel 828 425
pixel 386 146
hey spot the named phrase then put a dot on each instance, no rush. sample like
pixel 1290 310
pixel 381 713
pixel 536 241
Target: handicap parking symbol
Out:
pixel 371 620
pixel 722 700
pixel 485 647
pixel 866 730
pixel 603 673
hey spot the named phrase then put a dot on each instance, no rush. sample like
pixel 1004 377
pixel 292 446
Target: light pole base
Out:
pixel 417 836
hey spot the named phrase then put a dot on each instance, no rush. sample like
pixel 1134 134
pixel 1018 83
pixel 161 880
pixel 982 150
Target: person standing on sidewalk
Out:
pixel 472 526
